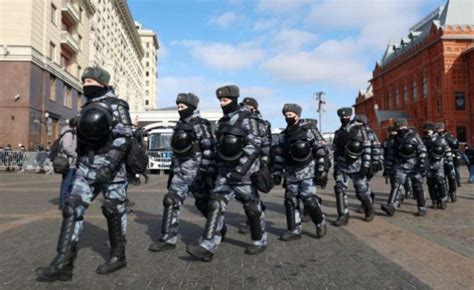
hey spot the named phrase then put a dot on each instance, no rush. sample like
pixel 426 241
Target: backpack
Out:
pixel 60 162
pixel 137 158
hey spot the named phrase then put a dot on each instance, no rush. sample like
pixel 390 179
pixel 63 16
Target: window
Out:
pixel 425 87
pixel 147 45
pixel 147 83
pixel 67 96
pixel 52 51
pixel 79 40
pixel 80 13
pixel 147 73
pixel 397 98
pixel 460 101
pixel 80 101
pixel 147 64
pixel 389 101
pixel 147 102
pixel 147 54
pixel 438 106
pixel 53 14
pixel 79 71
pixel 52 87
pixel 405 95
pixel 64 62
pixel 461 134
pixel 415 92
pixel 147 93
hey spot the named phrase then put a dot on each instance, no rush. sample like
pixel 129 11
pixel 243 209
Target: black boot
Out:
pixel 117 258
pixel 341 220
pixel 244 228
pixel 453 196
pixel 199 253
pixel 62 265
pixel 389 208
pixel 255 249
pixel 368 209
pixel 342 215
pixel 321 230
pixel 290 236
pixel 161 246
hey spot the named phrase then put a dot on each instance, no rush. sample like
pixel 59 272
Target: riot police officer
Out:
pixel 300 156
pixel 238 158
pixel 451 172
pixel 376 157
pixel 192 144
pixel 352 159
pixel 104 131
pixel 408 156
pixel 388 155
pixel 439 156
pixel 265 132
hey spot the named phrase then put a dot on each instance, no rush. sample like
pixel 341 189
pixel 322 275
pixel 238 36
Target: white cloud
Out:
pixel 280 6
pixel 260 25
pixel 332 61
pixel 222 55
pixel 293 39
pixel 375 21
pixel 224 20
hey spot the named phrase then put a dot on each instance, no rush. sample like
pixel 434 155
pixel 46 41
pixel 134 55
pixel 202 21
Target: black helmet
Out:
pixel 181 142
pixel 354 149
pixel 407 150
pixel 230 147
pixel 95 123
pixel 300 151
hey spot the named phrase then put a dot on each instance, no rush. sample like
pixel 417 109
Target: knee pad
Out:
pixel 338 189
pixel 171 199
pixel 310 201
pixel 70 206
pixel 361 189
pixel 417 188
pixel 289 195
pixel 252 210
pixel 110 207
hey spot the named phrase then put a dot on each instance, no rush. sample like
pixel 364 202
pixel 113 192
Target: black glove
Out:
pixel 450 167
pixel 364 171
pixel 386 172
pixel 104 175
pixel 235 177
pixel 376 167
pixel 422 170
pixel 208 180
pixel 277 178
pixel 321 179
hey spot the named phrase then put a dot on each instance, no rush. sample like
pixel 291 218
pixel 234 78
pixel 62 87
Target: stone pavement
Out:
pixel 401 252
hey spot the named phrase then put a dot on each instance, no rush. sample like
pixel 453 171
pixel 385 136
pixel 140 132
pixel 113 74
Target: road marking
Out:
pixel 435 265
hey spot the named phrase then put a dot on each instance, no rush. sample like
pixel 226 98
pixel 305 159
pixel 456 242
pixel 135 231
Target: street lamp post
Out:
pixel 320 102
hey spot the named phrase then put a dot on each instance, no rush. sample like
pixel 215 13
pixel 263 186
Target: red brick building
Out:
pixel 427 76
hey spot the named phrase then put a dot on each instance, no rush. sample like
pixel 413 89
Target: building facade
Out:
pixel 150 66
pixel 44 48
pixel 427 76
pixel 115 45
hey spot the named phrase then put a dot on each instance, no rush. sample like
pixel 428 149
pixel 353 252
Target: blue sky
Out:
pixel 278 51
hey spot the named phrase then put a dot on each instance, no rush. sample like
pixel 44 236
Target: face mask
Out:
pixel 426 133
pixel 231 107
pixel 290 121
pixel 183 114
pixel 402 131
pixel 345 121
pixel 91 92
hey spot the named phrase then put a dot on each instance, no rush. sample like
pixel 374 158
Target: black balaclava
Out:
pixel 402 131
pixel 290 121
pixel 186 113
pixel 345 121
pixel 231 107
pixel 92 92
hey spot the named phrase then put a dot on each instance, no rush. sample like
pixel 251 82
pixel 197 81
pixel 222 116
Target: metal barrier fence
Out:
pixel 23 161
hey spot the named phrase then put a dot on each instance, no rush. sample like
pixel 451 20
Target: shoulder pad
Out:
pixel 118 102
